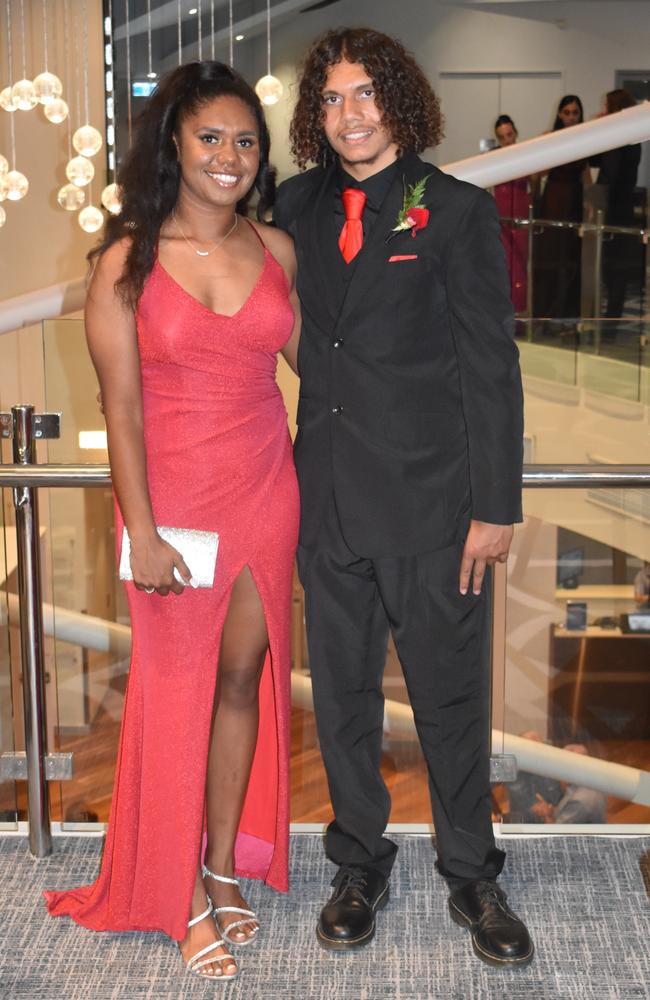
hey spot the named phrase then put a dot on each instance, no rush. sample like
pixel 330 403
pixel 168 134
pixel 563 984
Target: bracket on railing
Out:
pixel 13 766
pixel 44 425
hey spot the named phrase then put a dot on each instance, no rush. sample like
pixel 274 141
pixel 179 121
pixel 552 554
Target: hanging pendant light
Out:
pixel 110 199
pixel 87 140
pixel 4 165
pixel 47 86
pixel 268 88
pixel 17 185
pixel 80 171
pixel 22 92
pixel 4 187
pixel 71 197
pixel 91 219
pixel 14 184
pixel 56 111
pixel 23 95
pixel 7 102
pixel 3 216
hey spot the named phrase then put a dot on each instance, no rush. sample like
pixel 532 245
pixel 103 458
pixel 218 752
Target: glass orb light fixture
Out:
pixel 3 216
pixel 7 102
pixel 4 187
pixel 71 197
pixel 24 95
pixel 57 111
pixel 269 89
pixel 87 140
pixel 47 87
pixel 91 219
pixel 17 185
pixel 4 165
pixel 111 199
pixel 80 171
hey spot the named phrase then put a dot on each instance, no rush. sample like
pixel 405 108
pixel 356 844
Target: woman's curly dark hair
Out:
pixel 149 178
pixel 411 110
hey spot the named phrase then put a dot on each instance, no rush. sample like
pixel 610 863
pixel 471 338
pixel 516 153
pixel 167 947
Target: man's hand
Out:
pixel 485 544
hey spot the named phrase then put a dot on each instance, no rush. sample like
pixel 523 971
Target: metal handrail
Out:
pixel 583 227
pixel 560 476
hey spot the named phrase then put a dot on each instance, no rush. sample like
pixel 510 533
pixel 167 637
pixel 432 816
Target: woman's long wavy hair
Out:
pixel 150 175
pixel 568 99
pixel 411 110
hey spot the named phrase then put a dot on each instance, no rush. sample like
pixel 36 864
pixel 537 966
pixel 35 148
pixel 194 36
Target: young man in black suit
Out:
pixel 409 456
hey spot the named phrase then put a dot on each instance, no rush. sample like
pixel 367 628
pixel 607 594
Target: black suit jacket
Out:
pixel 410 407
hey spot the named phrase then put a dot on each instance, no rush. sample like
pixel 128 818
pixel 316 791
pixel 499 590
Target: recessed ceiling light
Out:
pixel 240 38
pixel 193 10
pixel 152 76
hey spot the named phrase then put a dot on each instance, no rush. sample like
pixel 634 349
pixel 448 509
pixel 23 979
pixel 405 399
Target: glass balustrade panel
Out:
pixel 576 662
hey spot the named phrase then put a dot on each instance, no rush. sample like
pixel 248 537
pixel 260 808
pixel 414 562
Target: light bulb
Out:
pixel 91 219
pixel 57 111
pixel 111 199
pixel 47 87
pixel 4 166
pixel 71 197
pixel 24 95
pixel 6 100
pixel 87 140
pixel 17 185
pixel 3 216
pixel 269 89
pixel 80 171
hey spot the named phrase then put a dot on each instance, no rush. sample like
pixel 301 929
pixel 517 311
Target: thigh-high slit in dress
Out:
pixel 218 459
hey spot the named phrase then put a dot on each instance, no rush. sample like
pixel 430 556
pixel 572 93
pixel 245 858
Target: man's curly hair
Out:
pixel 411 110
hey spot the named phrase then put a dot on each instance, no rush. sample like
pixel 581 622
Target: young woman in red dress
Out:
pixel 188 307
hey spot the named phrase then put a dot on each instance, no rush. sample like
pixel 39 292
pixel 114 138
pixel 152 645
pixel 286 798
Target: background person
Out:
pixel 557 252
pixel 622 253
pixel 187 308
pixel 513 200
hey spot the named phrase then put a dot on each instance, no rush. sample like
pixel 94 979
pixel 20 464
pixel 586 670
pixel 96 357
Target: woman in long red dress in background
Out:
pixel 188 307
pixel 513 200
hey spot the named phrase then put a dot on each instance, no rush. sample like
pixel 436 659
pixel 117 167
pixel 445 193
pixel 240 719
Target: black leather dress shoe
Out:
pixel 347 920
pixel 499 937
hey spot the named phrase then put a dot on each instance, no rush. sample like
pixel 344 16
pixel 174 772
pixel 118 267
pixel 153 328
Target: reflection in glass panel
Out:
pixel 577 658
pixel 90 618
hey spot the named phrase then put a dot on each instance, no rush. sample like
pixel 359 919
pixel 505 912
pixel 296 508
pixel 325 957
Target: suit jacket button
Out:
pixel 337 343
pixel 337 409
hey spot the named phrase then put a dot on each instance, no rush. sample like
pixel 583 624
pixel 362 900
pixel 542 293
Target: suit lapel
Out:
pixel 375 249
pixel 316 226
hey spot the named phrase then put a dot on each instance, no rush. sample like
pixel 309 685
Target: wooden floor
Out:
pixel 87 798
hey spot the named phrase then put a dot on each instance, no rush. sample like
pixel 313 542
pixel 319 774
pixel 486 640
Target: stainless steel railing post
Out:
pixel 31 635
pixel 598 268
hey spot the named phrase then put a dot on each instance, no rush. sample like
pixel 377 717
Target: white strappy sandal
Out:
pixel 247 915
pixel 196 962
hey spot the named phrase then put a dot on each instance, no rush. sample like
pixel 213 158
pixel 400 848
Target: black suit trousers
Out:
pixel 442 641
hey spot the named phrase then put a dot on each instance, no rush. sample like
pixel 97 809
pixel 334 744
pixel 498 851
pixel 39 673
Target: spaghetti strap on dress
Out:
pixel 219 458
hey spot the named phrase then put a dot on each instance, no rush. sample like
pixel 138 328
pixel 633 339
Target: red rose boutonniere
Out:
pixel 413 215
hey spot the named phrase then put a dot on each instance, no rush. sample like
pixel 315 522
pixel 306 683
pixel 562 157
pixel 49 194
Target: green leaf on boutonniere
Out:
pixel 413 194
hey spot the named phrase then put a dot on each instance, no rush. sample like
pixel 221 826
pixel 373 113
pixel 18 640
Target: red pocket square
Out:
pixel 403 256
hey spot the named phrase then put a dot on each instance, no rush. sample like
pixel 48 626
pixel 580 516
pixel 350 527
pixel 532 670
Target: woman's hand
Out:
pixel 152 564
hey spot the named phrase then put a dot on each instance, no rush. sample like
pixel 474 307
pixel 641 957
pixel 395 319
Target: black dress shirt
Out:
pixel 375 189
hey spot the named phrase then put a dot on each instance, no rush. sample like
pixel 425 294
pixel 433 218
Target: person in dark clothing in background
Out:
pixel 557 251
pixel 618 172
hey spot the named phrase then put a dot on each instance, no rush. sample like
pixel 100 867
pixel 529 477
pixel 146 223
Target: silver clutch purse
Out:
pixel 198 549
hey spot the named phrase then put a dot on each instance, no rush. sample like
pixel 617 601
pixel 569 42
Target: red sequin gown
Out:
pixel 218 459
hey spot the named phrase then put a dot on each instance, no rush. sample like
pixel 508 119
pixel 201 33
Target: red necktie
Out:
pixel 351 238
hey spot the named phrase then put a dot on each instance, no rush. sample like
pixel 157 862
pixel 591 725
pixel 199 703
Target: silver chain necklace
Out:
pixel 205 253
